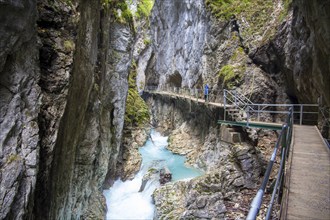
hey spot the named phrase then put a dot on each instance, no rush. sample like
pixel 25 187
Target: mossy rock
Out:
pixel 120 10
pixel 255 13
pixel 144 8
pixel 137 112
pixel 232 76
pixel 13 158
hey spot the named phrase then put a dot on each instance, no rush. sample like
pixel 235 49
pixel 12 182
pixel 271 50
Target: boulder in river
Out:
pixel 165 175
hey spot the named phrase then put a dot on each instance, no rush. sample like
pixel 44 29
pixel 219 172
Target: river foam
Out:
pixel 123 199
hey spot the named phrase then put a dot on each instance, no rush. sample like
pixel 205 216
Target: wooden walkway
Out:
pixel 186 96
pixel 308 184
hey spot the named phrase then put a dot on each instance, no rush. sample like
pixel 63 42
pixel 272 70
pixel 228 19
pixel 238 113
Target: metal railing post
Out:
pixel 235 98
pixel 301 114
pixel 257 201
pixel 247 116
pixel 224 104
pixel 258 112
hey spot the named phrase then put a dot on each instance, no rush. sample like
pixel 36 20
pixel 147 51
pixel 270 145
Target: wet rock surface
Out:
pixel 62 110
pixel 129 160
pixel 19 108
pixel 57 26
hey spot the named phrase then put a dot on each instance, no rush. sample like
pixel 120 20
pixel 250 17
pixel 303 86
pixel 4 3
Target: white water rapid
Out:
pixel 123 199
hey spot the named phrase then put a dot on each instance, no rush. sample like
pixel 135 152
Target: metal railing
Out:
pixel 302 113
pixel 283 143
pixel 233 99
pixel 192 93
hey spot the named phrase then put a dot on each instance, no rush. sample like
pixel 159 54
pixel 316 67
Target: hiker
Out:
pixel 206 92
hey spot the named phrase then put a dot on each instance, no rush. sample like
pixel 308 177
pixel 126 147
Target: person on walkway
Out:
pixel 206 92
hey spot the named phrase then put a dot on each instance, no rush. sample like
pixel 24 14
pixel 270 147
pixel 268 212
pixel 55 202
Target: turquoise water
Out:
pixel 155 150
pixel 123 199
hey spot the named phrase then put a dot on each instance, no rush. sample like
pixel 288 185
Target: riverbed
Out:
pixel 123 199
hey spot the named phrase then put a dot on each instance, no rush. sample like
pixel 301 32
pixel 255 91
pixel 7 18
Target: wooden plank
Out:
pixel 309 184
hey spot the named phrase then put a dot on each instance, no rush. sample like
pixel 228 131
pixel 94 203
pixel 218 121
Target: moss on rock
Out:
pixel 231 75
pixel 137 112
pixel 120 10
pixel 144 8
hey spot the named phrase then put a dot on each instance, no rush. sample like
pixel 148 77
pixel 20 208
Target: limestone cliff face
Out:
pixel 272 59
pixel 57 25
pixel 178 31
pixel 90 130
pixel 19 108
pixel 191 47
pixel 298 57
pixel 62 107
pixel 307 43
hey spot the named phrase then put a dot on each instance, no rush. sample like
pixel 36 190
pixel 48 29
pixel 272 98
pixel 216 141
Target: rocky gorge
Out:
pixel 66 69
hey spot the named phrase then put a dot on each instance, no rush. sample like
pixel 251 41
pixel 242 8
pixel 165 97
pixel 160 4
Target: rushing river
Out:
pixel 123 199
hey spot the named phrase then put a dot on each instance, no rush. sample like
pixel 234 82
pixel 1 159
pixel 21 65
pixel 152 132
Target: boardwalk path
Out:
pixel 200 100
pixel 309 176
pixel 309 182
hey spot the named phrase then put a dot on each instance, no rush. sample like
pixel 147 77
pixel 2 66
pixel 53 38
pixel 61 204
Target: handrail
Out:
pixel 255 110
pixel 234 99
pixel 237 97
pixel 238 100
pixel 284 141
pixel 300 110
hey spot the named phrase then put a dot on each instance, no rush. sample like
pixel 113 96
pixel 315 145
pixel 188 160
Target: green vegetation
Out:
pixel 227 72
pixel 255 13
pixel 225 8
pixel 146 41
pixel 120 10
pixel 13 157
pixel 68 45
pixel 137 112
pixel 286 6
pixel 144 8
pixel 239 52
pixel 231 76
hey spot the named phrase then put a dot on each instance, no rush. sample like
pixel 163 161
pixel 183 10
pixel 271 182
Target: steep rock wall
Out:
pixel 178 31
pixel 298 57
pixel 191 47
pixel 90 130
pixel 61 125
pixel 19 108
pixel 57 26
pixel 307 43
